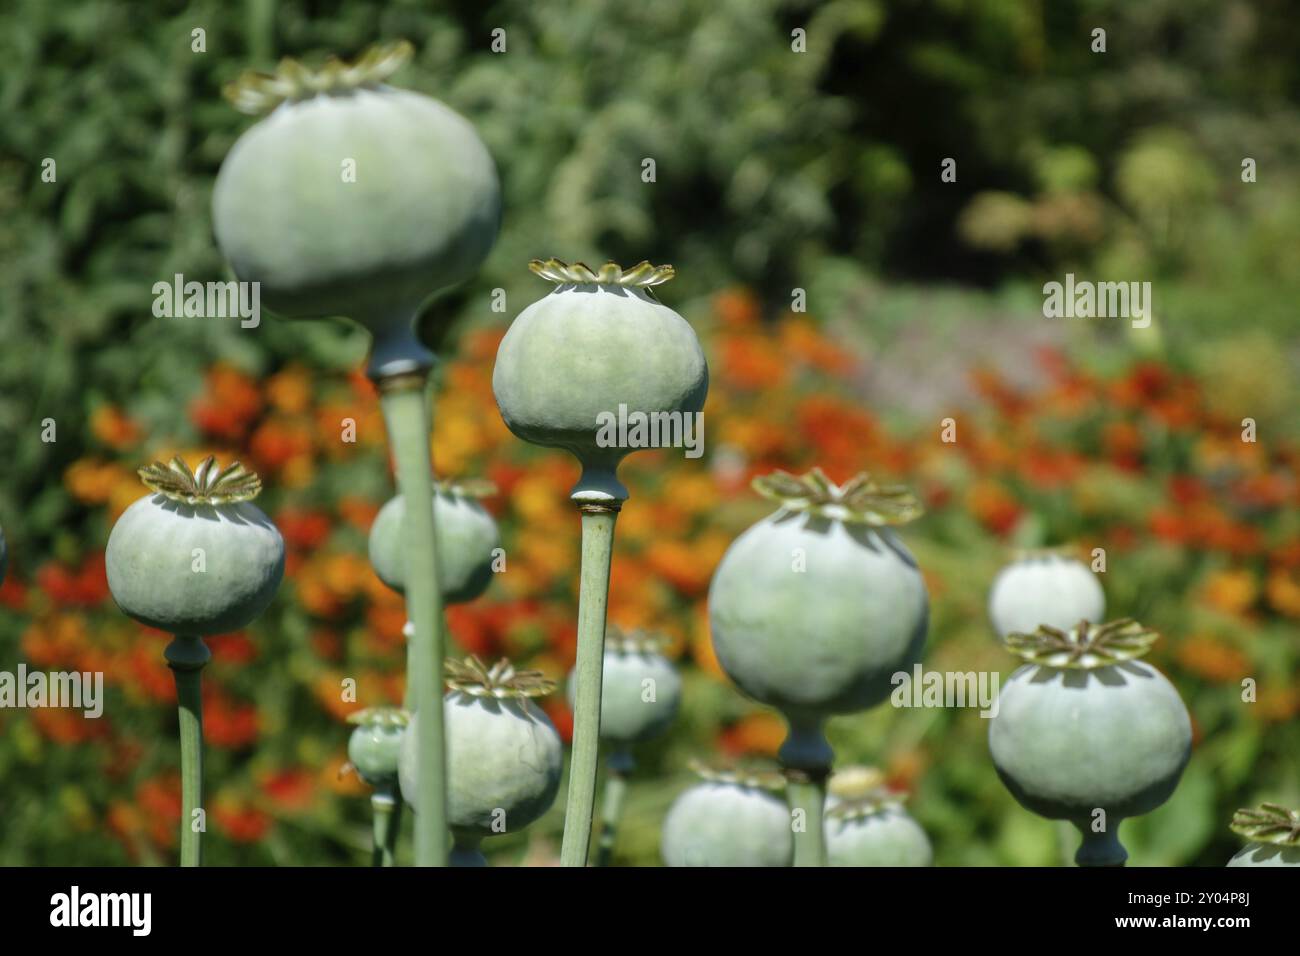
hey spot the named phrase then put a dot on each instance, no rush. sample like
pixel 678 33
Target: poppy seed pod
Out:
pixel 732 818
pixel 504 756
pixel 467 538
pixel 1274 835
pixel 866 824
pixel 354 198
pixel 375 742
pixel 1044 587
pixel 813 609
pixel 599 345
pixel 1087 732
pixel 642 690
pixel 196 556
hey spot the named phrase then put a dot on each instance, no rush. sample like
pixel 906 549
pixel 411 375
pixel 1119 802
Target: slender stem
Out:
pixel 807 756
pixel 261 31
pixel 807 792
pixel 611 807
pixel 1064 841
pixel 388 821
pixel 186 655
pixel 403 400
pixel 408 700
pixel 593 593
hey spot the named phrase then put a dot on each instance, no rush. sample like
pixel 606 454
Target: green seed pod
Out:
pixel 504 755
pixel 374 745
pixel 598 342
pixel 196 557
pixel 354 198
pixel 641 689
pixel 1085 726
pixel 815 608
pixel 733 818
pixel 866 824
pixel 1274 832
pixel 467 536
pixel 1044 587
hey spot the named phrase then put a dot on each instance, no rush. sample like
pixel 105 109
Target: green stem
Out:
pixel 806 756
pixel 403 400
pixel 593 593
pixel 617 769
pixel 186 656
pixel 408 700
pixel 807 792
pixel 261 31
pixel 388 821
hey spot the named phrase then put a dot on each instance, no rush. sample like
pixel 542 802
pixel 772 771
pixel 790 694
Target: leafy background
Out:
pixel 775 171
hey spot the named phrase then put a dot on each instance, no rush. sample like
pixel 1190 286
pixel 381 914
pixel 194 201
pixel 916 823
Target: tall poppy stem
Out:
pixel 618 768
pixel 593 595
pixel 387 807
pixel 405 414
pixel 186 656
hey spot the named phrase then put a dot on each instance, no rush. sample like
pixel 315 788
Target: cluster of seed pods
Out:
pixel 812 610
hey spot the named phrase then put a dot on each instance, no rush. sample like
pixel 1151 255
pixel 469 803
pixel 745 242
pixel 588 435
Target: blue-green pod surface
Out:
pixel 504 756
pixel 812 610
pixel 1086 732
pixel 641 690
pixel 375 743
pixel 729 820
pixel 866 824
pixel 1044 588
pixel 467 537
pixel 352 197
pixel 195 557
pixel 598 349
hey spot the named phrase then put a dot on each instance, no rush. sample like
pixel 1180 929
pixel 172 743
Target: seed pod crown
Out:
pixel 862 793
pixel 751 778
pixel 643 275
pixel 380 717
pixel 206 485
pixel 860 500
pixel 1084 647
pixel 1271 823
pixel 636 641
pixel 472 677
pixel 256 92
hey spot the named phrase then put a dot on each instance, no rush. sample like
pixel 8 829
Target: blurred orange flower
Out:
pixel 114 429
pixel 1231 591
pixel 760 734
pixel 228 405
pixel 1213 659
pixel 752 362
pixel 736 309
pixel 993 506
pixel 239 819
pixel 290 389
pixel 1284 592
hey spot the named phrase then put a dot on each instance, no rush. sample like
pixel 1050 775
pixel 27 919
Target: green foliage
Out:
pixel 775 169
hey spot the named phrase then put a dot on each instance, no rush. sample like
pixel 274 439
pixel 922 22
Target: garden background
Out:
pixel 775 170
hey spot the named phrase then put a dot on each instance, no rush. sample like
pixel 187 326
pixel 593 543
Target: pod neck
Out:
pixel 598 488
pixel 806 748
pixel 1100 849
pixel 396 351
